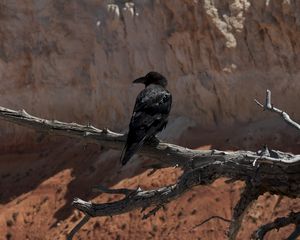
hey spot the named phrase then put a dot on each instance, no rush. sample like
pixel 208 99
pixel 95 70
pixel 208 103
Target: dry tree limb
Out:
pixel 167 154
pixel 295 234
pixel 292 218
pixel 249 195
pixel 269 106
pixel 87 132
pixel 138 199
pixel 79 225
pixel 271 177
pixel 164 152
pixel 274 171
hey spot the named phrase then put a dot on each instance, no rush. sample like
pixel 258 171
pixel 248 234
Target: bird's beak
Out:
pixel 140 80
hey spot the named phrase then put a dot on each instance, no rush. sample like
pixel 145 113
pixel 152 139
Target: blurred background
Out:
pixel 75 61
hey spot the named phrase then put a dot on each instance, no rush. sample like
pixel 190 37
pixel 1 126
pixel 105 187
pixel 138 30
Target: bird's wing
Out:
pixel 152 101
pixel 149 117
pixel 152 105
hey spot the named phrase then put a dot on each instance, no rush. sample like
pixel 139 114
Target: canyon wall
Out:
pixel 75 60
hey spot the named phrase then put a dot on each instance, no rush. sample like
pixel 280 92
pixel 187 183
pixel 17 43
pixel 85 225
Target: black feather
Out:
pixel 150 116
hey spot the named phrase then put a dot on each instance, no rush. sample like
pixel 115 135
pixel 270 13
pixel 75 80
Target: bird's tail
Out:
pixel 124 159
pixel 129 150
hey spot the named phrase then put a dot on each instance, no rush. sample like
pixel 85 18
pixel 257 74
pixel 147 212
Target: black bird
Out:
pixel 150 113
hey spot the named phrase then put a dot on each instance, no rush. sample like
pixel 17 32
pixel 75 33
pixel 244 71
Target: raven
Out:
pixel 150 113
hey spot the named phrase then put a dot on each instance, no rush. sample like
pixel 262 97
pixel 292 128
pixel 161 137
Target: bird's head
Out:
pixel 152 78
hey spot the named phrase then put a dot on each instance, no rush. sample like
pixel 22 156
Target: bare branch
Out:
pixel 264 171
pixel 167 154
pixel 268 106
pixel 277 224
pixel 249 195
pixel 295 234
pixel 258 103
pixel 261 179
pixel 139 199
pixel 83 221
pixel 87 132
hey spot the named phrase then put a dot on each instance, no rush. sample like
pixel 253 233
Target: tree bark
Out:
pixel 263 171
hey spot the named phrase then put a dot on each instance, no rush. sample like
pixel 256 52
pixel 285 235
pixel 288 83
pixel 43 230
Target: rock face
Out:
pixel 75 60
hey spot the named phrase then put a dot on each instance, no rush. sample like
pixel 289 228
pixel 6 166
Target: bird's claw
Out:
pixel 153 141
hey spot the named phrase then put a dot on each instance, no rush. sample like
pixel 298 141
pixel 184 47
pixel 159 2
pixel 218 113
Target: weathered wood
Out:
pixel 292 218
pixel 269 106
pixel 263 171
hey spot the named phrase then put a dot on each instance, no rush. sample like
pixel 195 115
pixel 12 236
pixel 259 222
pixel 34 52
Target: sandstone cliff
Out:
pixel 75 61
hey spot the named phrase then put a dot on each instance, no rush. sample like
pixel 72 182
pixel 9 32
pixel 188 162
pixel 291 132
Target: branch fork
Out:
pixel 268 106
pixel 277 173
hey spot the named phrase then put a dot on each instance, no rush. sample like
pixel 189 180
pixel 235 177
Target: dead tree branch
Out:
pixel 292 218
pixel 273 171
pixel 87 132
pixel 272 177
pixel 249 195
pixel 79 225
pixel 295 234
pixel 269 106
pixel 167 153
